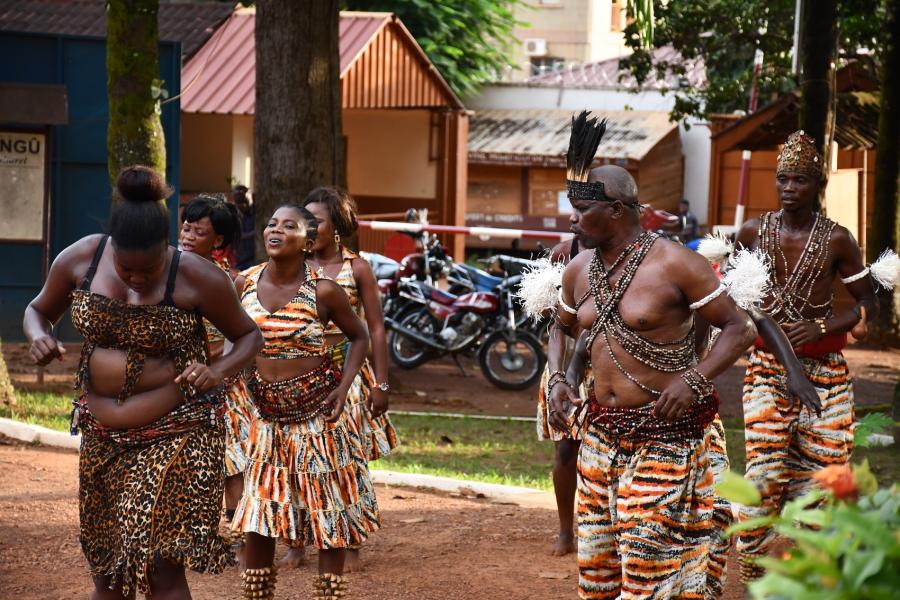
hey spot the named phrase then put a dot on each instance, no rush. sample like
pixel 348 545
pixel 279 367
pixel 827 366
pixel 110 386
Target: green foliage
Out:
pixel 737 489
pixel 842 550
pixel 467 40
pixel 726 34
pixel 869 424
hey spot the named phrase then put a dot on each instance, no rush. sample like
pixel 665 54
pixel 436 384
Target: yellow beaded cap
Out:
pixel 799 155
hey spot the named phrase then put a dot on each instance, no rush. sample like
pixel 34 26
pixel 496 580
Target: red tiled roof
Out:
pixel 190 23
pixel 221 76
pixel 606 74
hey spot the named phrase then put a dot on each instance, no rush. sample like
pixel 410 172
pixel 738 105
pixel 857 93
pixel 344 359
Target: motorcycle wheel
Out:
pixel 406 353
pixel 511 360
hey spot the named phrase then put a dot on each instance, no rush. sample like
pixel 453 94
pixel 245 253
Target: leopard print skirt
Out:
pixel 161 500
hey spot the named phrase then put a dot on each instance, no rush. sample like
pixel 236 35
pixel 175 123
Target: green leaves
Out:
pixel 735 488
pixel 870 423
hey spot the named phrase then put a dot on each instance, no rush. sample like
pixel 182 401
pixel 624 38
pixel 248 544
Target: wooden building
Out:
pixel 851 180
pixel 517 165
pixel 404 129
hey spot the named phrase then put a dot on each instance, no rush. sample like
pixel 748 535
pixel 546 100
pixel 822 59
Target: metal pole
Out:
pixel 795 51
pixel 484 232
pixel 741 208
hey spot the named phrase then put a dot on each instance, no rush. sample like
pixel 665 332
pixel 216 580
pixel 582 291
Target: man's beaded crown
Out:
pixel 799 155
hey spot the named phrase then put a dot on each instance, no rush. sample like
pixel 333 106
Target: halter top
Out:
pixel 345 279
pixel 140 330
pixel 292 331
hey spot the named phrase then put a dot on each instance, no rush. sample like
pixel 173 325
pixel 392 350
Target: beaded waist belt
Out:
pixel 206 409
pixel 296 399
pixel 832 342
pixel 638 424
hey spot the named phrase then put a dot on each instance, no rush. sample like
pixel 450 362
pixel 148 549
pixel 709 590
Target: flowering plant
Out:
pixel 845 535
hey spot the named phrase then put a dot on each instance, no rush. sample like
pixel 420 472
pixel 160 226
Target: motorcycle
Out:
pixel 482 322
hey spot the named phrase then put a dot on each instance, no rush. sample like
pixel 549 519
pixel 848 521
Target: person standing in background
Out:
pixel 245 248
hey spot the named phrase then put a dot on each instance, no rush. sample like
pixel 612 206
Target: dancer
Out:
pixel 807 251
pixel 210 226
pixel 306 477
pixel 645 491
pixel 367 400
pixel 150 399
pixel 566 443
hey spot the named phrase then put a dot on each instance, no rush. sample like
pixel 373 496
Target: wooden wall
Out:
pixel 660 175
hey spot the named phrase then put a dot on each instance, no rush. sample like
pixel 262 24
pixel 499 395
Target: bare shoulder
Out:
pixel 843 242
pixel 199 271
pixel 748 234
pixel 561 252
pixel 362 270
pixel 576 266
pixel 679 263
pixel 76 258
pixel 328 291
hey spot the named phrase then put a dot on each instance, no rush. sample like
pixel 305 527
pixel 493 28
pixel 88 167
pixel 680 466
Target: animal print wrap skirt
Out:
pixel 239 414
pixel 153 493
pixel 377 434
pixel 545 431
pixel 307 482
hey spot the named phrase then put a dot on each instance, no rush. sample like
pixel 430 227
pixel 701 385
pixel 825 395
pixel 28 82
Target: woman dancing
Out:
pixel 210 225
pixel 150 405
pixel 306 477
pixel 367 400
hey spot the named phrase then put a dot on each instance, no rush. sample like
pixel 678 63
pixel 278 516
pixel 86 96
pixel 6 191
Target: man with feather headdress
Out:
pixel 645 491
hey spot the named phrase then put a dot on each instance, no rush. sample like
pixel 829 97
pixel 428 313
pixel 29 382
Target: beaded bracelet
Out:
pixel 554 375
pixel 556 382
pixel 822 329
pixel 699 384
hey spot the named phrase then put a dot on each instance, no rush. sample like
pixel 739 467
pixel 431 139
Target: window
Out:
pixel 546 64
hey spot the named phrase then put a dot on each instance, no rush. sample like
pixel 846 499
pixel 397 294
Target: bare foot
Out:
pixel 353 563
pixel 295 557
pixel 565 544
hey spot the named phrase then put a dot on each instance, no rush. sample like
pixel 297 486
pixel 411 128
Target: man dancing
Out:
pixel 645 491
pixel 806 251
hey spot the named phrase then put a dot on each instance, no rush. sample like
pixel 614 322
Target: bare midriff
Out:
pixel 107 376
pixel 272 370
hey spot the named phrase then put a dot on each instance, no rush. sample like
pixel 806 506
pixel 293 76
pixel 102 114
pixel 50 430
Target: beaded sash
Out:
pixel 296 399
pixel 638 424
pixel 205 409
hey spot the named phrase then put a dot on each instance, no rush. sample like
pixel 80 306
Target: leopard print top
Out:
pixel 161 330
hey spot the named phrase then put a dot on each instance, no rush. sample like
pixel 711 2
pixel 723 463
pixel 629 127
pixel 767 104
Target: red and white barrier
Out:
pixel 482 232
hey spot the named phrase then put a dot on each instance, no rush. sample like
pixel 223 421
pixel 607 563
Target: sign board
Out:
pixel 22 180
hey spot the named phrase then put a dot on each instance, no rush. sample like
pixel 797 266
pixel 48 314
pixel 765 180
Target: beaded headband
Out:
pixel 799 155
pixel 584 140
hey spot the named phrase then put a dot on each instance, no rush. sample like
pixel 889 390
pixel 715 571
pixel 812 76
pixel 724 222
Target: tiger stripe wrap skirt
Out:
pixel 545 431
pixel 239 414
pixel 786 445
pixel 645 516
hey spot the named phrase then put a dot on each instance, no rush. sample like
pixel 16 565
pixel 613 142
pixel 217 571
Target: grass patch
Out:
pixel 505 452
pixel 40 408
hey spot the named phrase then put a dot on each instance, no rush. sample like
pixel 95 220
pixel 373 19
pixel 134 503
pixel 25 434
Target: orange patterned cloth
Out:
pixel 785 445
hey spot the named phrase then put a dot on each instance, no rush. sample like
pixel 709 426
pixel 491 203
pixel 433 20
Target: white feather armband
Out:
pixel 886 270
pixel 715 248
pixel 748 278
pixel 539 287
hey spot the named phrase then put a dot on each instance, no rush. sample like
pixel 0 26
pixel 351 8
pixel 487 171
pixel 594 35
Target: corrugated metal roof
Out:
pixel 606 74
pixel 381 66
pixel 190 23
pixel 540 137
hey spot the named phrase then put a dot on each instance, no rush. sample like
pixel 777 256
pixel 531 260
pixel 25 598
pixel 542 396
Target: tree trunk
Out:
pixel 7 393
pixel 135 134
pixel 818 51
pixel 886 218
pixel 297 133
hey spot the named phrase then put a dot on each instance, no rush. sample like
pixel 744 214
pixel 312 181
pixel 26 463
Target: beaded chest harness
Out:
pixel 667 356
pixel 791 298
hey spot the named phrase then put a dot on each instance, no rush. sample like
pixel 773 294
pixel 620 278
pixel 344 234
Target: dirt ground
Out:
pixel 432 546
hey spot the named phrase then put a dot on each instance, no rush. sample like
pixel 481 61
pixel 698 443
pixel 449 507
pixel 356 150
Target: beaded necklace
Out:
pixel 790 299
pixel 668 356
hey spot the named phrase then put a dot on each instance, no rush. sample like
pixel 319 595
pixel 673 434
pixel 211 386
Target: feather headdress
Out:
pixel 539 288
pixel 747 279
pixel 584 139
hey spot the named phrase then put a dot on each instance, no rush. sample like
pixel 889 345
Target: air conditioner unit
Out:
pixel 535 47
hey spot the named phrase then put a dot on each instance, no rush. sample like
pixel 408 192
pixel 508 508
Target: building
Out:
pixel 517 165
pixel 562 33
pixel 602 87
pixel 53 121
pixel 404 129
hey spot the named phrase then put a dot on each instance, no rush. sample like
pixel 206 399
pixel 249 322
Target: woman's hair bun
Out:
pixel 138 183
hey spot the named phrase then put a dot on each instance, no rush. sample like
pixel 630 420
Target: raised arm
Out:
pixel 368 295
pixel 333 305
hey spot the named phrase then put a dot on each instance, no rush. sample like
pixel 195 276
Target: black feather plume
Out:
pixel 583 143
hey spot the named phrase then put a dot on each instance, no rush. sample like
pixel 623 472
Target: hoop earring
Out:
pixel 337 241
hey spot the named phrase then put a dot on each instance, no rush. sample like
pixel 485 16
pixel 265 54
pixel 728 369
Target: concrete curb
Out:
pixel 528 497
pixel 27 432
